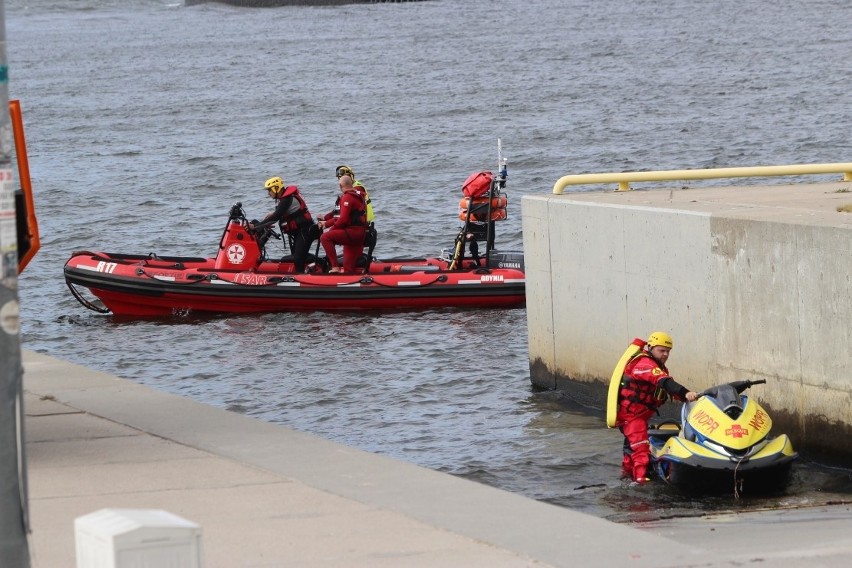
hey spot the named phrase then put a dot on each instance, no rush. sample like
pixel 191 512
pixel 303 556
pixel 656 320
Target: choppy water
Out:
pixel 146 120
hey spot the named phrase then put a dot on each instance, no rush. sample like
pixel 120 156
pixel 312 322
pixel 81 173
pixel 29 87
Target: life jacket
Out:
pixel 369 202
pixel 478 207
pixel 357 217
pixel 297 215
pixel 638 397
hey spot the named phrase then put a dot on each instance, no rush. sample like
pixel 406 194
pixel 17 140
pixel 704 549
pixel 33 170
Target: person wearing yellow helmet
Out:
pixel 345 170
pixel 293 218
pixel 645 385
pixel 372 235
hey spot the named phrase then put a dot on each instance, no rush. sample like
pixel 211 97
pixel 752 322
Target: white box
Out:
pixel 136 538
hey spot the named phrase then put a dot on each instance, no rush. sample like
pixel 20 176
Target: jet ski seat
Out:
pixel 664 430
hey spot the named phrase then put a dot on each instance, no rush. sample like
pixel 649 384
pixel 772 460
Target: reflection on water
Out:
pixel 812 485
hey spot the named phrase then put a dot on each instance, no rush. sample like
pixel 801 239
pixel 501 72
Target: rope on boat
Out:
pixel 361 280
pixel 441 278
pixel 86 303
pixel 275 280
pixel 738 481
pixel 95 255
pixel 190 281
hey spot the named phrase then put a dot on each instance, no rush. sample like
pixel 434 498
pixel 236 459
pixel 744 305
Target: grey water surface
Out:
pixel 147 119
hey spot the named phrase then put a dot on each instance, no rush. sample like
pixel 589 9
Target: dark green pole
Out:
pixel 14 550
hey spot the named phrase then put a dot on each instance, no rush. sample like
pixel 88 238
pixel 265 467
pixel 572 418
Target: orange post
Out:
pixel 30 228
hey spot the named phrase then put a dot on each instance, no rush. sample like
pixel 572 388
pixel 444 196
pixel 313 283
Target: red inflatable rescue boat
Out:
pixel 241 278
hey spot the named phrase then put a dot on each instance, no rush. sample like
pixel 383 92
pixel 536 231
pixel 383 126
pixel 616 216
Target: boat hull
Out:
pixel 696 469
pixel 144 286
pixel 768 479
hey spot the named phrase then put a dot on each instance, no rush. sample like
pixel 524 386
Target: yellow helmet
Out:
pixel 344 171
pixel 275 186
pixel 660 338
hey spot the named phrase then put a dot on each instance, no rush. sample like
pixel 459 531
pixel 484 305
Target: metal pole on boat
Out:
pixel 14 524
pixel 498 184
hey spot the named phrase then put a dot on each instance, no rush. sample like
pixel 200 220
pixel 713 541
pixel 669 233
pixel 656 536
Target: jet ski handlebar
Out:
pixel 739 386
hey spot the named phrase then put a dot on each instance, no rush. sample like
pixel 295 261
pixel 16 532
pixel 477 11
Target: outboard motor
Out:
pixel 500 259
pixel 238 248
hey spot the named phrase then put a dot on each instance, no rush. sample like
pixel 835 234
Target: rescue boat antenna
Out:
pixel 499 183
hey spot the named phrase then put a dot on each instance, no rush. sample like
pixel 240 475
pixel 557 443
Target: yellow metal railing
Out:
pixel 623 179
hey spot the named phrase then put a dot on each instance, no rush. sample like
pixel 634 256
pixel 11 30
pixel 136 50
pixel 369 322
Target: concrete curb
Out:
pixel 266 495
pixel 523 531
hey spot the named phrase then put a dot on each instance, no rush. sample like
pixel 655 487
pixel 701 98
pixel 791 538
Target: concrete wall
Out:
pixel 752 282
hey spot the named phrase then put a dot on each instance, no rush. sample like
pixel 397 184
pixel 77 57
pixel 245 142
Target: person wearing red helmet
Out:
pixel 645 385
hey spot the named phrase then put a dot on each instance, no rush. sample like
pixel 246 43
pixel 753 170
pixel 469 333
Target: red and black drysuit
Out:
pixel 348 229
pixel 644 388
pixel 293 218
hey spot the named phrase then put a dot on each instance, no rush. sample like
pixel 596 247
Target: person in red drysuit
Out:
pixel 293 219
pixel 348 229
pixel 645 386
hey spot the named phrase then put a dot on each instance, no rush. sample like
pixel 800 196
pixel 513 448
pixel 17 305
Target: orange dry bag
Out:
pixel 477 184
